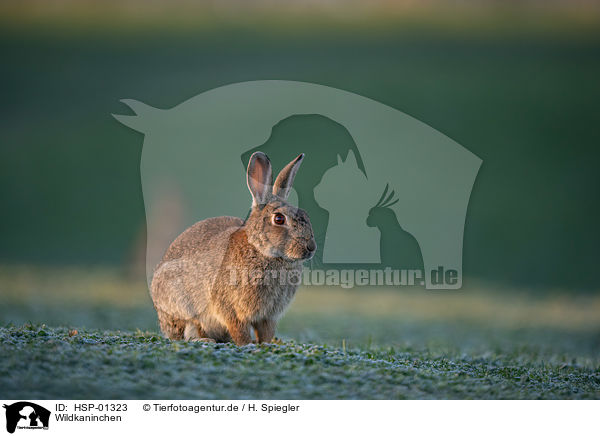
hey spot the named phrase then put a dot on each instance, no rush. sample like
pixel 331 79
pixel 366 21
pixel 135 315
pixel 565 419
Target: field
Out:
pixel 367 344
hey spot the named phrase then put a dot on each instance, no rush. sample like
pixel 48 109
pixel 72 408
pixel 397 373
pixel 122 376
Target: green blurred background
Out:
pixel 516 83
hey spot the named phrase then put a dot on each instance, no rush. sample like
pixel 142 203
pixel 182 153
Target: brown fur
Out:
pixel 223 277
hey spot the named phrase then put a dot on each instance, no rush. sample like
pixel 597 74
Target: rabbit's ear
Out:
pixel 284 180
pixel 259 177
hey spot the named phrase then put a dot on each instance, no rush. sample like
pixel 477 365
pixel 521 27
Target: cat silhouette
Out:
pixel 346 193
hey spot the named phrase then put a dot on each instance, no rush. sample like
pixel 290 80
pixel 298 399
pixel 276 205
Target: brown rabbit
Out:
pixel 223 276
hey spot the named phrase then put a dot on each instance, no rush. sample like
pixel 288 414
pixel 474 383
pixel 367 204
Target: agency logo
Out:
pixel 26 415
pixel 386 193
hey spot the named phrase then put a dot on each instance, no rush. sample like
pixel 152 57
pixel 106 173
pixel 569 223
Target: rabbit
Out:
pixel 223 276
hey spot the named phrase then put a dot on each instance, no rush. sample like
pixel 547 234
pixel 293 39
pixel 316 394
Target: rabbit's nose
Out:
pixel 312 245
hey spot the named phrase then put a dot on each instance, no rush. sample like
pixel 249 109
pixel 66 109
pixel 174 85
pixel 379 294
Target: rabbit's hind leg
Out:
pixel 171 327
pixel 193 332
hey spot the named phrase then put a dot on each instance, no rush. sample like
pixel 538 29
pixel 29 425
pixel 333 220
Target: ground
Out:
pixel 42 362
pixel 346 344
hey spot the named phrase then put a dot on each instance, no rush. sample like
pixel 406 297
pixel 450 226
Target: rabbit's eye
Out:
pixel 279 219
